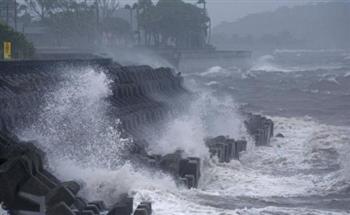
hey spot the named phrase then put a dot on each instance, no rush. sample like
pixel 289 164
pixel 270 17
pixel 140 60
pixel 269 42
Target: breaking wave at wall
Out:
pixel 267 174
pixel 207 116
pixel 81 135
pixel 74 120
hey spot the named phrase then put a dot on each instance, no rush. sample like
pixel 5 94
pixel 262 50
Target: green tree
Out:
pixel 117 31
pixel 136 7
pixel 41 8
pixel 174 23
pixel 130 9
pixel 107 8
pixel 75 25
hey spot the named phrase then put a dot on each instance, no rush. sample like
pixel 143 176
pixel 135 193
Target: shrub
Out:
pixel 21 48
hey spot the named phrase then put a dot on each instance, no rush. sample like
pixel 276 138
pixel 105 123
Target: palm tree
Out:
pixel 136 7
pixel 205 12
pixel 144 7
pixel 144 4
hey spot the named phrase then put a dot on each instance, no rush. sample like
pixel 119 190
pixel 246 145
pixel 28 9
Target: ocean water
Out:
pixel 306 93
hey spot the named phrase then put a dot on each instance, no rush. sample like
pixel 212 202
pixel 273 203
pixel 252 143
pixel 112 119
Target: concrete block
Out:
pixel 79 203
pixel 141 211
pixel 51 177
pixel 34 186
pixel 243 145
pixel 227 151
pixel 29 203
pixel 12 173
pixel 230 150
pixel 147 206
pixel 191 181
pixel 259 137
pixel 170 163
pixel 183 181
pixel 60 209
pixel 91 207
pixel 100 204
pixel 60 194
pixel 84 212
pixel 221 152
pixel 36 156
pixel 73 186
pixel 44 179
pixel 198 161
pixel 213 152
pixel 123 207
pixel 235 150
pixel 190 167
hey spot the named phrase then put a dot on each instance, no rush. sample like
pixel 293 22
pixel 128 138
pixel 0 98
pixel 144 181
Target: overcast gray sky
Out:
pixel 230 10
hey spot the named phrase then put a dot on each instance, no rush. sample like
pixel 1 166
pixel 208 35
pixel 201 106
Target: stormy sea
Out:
pixel 304 171
pixel 307 94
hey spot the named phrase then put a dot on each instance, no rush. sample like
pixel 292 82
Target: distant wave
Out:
pixel 215 71
pixel 309 51
pixel 211 83
pixel 267 63
pixel 331 79
pixel 264 63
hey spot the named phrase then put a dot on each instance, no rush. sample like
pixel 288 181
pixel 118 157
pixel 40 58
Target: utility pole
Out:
pixel 209 36
pixel 98 33
pixel 15 14
pixel 7 12
pixel 97 13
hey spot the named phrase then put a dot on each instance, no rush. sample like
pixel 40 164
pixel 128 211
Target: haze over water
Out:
pixel 304 91
pixel 306 172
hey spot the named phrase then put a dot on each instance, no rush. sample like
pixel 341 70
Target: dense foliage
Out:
pixel 80 23
pixel 20 46
pixel 173 23
pixel 168 23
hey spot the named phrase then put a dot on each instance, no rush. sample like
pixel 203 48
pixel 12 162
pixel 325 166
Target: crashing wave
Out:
pixel 215 71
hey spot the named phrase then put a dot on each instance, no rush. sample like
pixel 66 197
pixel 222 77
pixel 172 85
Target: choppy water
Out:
pixel 307 94
pixel 307 172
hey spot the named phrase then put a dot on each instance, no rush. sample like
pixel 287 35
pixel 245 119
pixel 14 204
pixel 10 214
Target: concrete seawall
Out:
pixel 24 82
pixel 141 97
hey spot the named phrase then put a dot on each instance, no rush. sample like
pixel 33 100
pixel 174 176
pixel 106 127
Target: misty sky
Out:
pixel 230 10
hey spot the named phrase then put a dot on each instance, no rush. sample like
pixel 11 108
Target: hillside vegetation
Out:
pixel 322 25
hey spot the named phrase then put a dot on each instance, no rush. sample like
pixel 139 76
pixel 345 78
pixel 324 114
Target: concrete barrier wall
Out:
pixel 261 128
pixel 225 148
pixel 141 96
pixel 23 84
